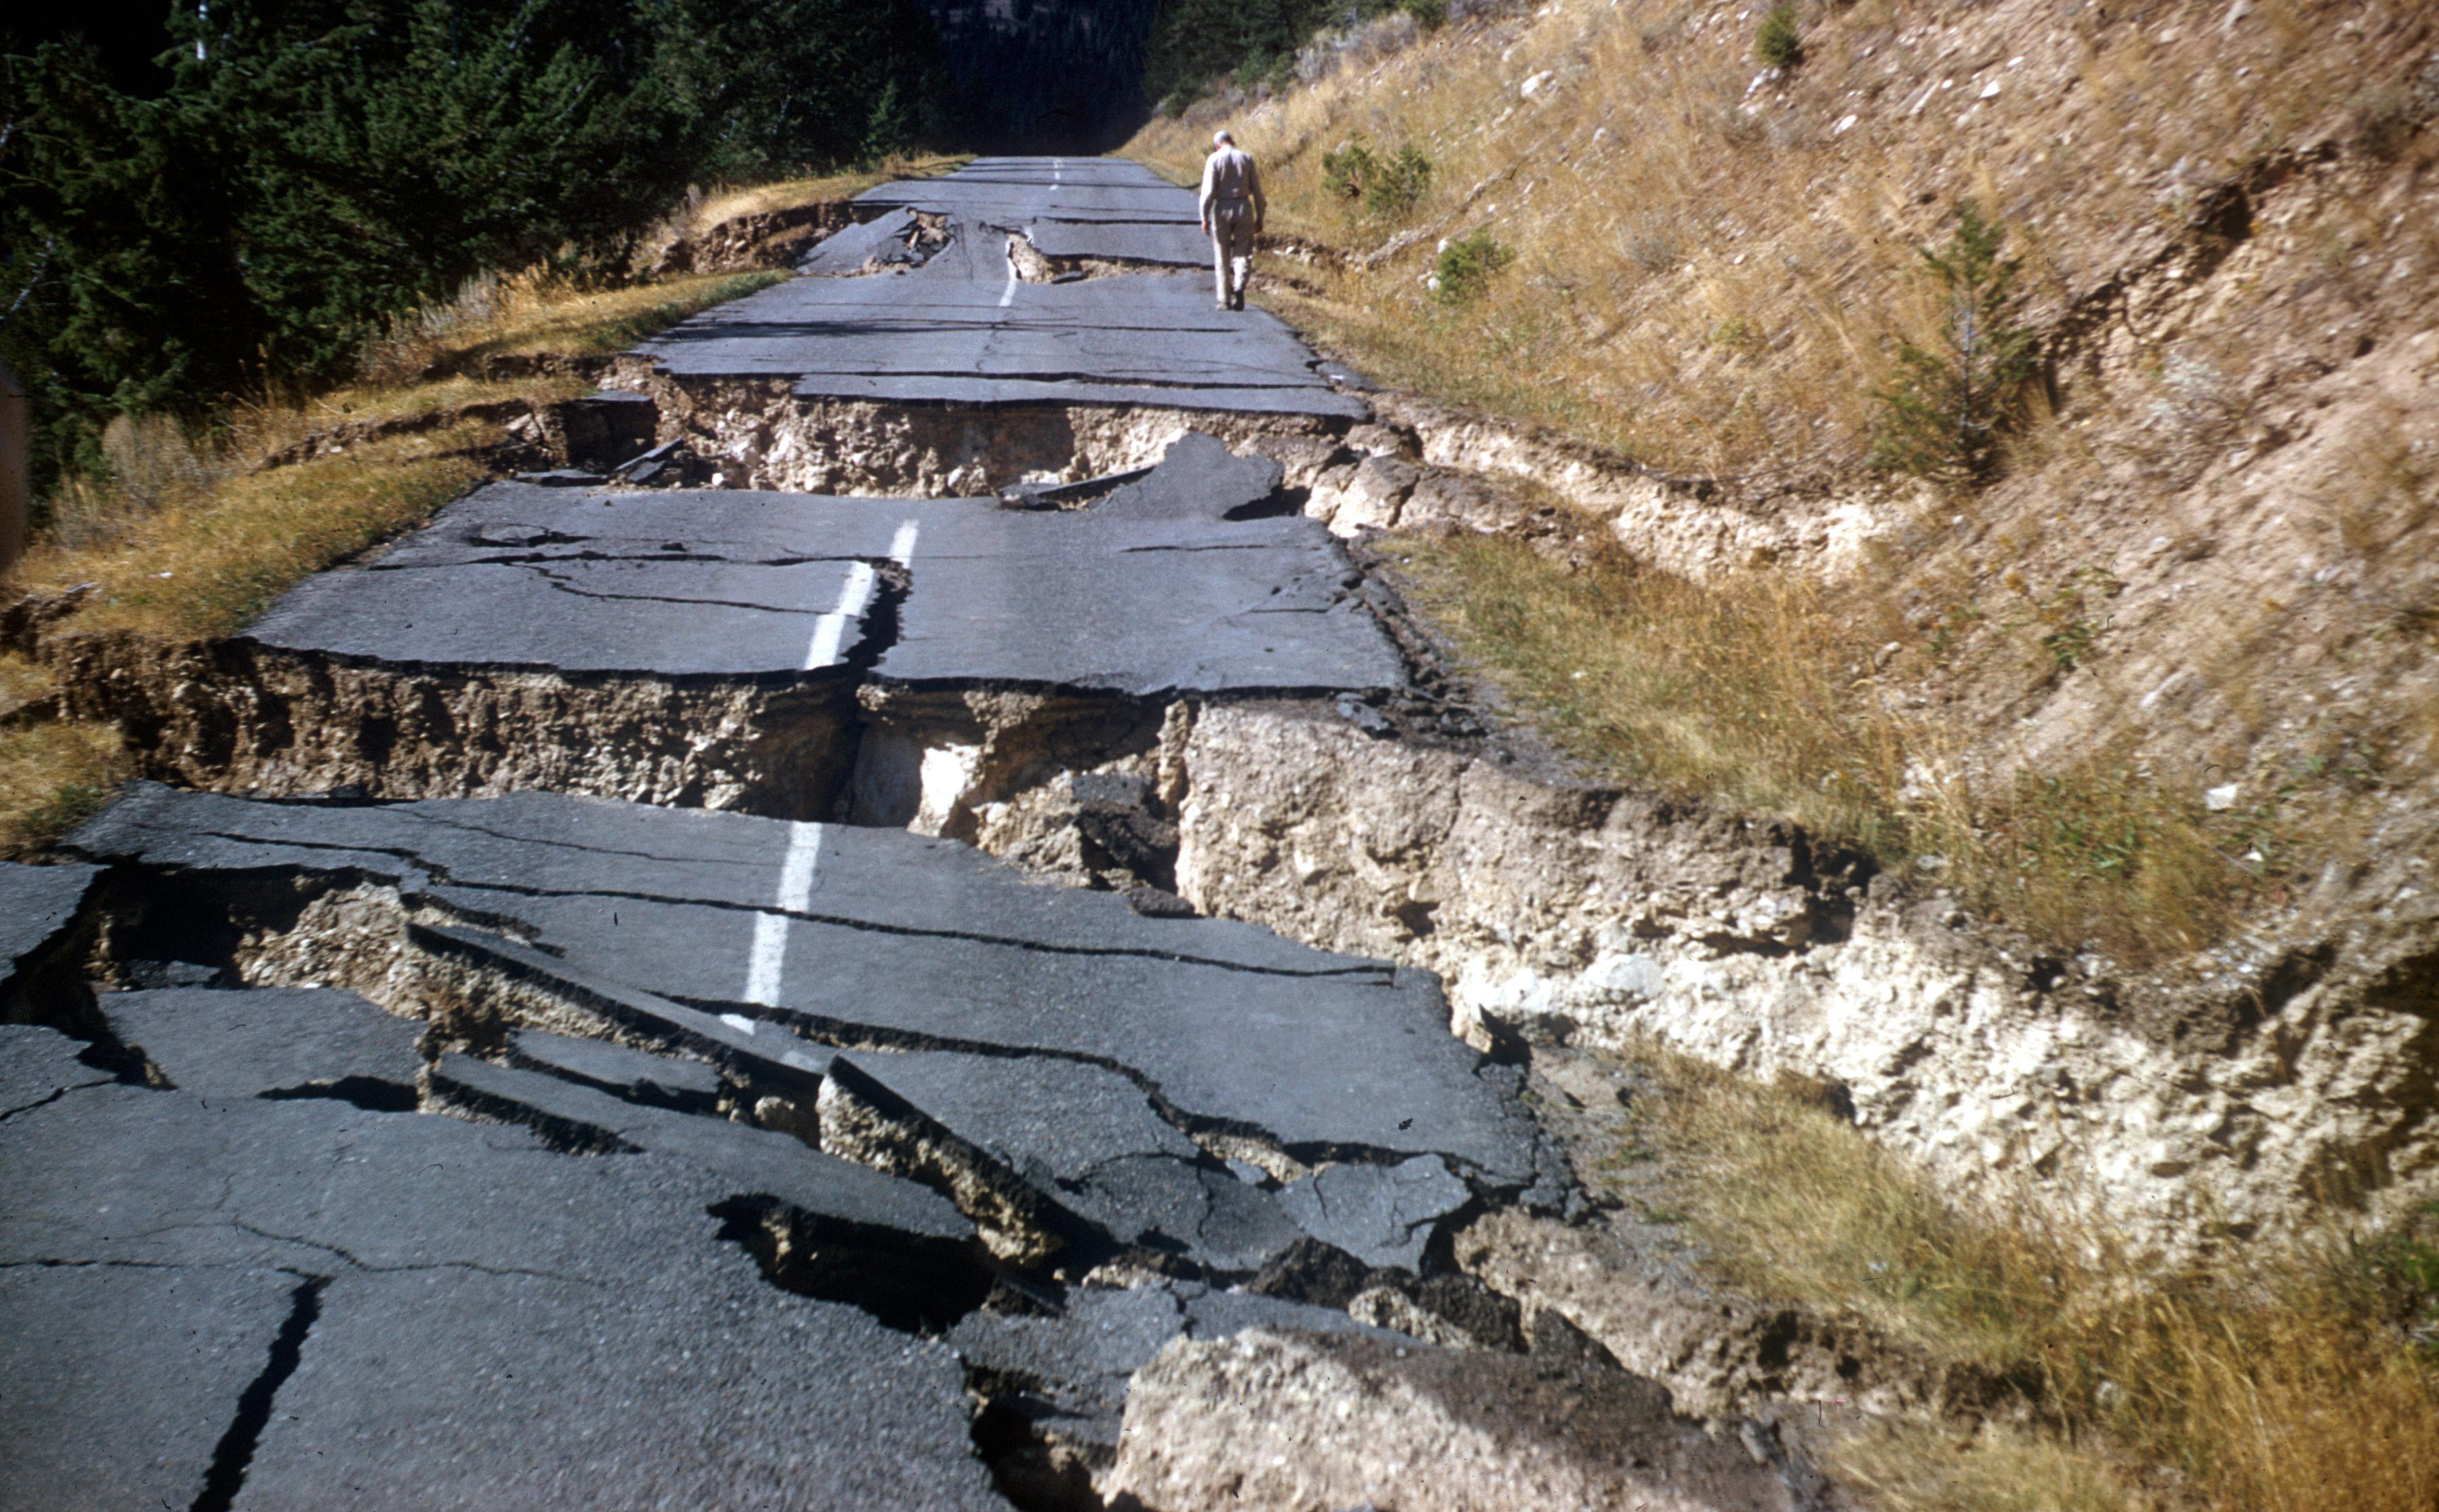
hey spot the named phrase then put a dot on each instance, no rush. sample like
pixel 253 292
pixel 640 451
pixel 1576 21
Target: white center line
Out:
pixel 833 630
pixel 766 963
pixel 854 595
pixel 769 960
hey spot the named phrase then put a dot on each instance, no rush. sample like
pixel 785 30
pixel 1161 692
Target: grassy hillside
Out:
pixel 2135 682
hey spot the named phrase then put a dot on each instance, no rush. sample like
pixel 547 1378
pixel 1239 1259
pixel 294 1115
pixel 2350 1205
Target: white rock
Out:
pixel 1990 90
pixel 1539 82
pixel 1845 126
pixel 2219 800
pixel 2173 680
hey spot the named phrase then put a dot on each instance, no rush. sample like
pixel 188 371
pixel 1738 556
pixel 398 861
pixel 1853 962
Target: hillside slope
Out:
pixel 2162 693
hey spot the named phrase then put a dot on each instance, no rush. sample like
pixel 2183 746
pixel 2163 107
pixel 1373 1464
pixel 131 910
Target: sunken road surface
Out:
pixel 544 1151
pixel 1155 591
pixel 963 326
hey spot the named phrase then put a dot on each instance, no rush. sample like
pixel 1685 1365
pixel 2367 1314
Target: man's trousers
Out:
pixel 1232 245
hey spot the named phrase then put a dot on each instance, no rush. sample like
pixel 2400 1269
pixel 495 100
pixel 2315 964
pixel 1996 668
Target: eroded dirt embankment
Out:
pixel 1575 914
pixel 238 717
pixel 759 434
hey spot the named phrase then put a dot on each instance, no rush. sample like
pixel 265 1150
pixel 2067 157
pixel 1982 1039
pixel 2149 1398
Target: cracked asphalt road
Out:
pixel 548 1151
pixel 965 328
pixel 1119 598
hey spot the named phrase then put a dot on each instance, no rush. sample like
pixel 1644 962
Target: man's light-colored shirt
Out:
pixel 1229 174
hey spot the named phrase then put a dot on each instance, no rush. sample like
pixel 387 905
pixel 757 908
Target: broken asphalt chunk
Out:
pixel 39 908
pixel 218 1043
pixel 1049 1148
pixel 817 1186
pixel 635 1076
pixel 1199 478
pixel 1383 1215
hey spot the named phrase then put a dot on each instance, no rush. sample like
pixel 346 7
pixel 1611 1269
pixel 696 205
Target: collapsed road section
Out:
pixel 708 648
pixel 544 1036
pixel 826 1133
pixel 955 372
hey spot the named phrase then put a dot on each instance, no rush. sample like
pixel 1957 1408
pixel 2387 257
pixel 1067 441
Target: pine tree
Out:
pixel 296 171
pixel 1947 412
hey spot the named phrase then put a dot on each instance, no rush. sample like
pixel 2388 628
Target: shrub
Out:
pixel 1467 265
pixel 2384 118
pixel 1944 414
pixel 1402 183
pixel 1387 186
pixel 1780 40
pixel 1740 128
pixel 1737 333
pixel 1432 14
pixel 1653 243
pixel 1345 171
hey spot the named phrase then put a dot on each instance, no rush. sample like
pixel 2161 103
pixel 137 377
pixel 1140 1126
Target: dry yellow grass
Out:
pixel 1710 271
pixel 729 202
pixel 189 539
pixel 203 566
pixel 2277 1380
pixel 1770 691
pixel 2002 1467
pixel 519 316
pixel 52 777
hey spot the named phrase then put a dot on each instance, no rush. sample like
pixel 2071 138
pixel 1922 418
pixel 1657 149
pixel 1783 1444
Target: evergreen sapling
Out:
pixel 1944 414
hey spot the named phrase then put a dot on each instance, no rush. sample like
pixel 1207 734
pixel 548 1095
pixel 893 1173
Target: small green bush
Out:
pixel 1780 40
pixel 1944 414
pixel 1345 171
pixel 1467 265
pixel 1737 333
pixel 1402 183
pixel 1430 14
pixel 1387 186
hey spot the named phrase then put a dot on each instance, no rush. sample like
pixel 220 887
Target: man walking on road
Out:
pixel 1232 216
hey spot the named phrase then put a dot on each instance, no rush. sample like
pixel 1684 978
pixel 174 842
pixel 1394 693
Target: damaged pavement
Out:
pixel 473 1081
